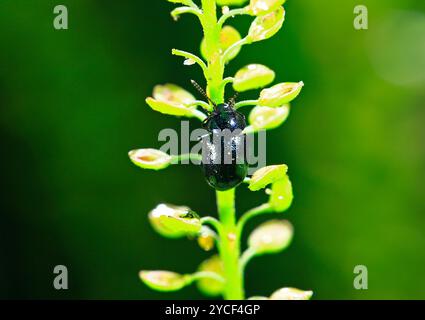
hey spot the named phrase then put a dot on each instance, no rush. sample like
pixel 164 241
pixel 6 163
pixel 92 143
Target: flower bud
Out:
pixel 228 37
pixel 291 294
pixel 267 118
pixel 174 221
pixel 271 237
pixel 266 176
pixel 266 26
pixel 206 238
pixel 280 94
pixel 261 7
pixel 163 280
pixel 150 159
pixel 209 286
pixel 172 100
pixel 281 195
pixel 253 76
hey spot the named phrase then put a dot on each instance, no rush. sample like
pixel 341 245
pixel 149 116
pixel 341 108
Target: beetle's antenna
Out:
pixel 232 100
pixel 202 92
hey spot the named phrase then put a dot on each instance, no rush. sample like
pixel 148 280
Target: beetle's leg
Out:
pixel 205 121
pixel 208 113
pixel 204 136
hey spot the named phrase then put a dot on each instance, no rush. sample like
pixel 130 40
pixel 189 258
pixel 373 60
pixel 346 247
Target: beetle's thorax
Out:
pixel 224 107
pixel 225 117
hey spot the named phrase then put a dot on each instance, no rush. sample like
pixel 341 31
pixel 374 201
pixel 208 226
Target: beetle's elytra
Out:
pixel 224 150
pixel 219 173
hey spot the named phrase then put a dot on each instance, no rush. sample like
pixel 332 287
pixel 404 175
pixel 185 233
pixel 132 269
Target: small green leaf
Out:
pixel 206 238
pixel 266 176
pixel 211 287
pixel 266 26
pixel 271 237
pixel 291 294
pixel 150 159
pixel 223 3
pixel 261 7
pixel 253 76
pixel 166 281
pixel 174 221
pixel 280 94
pixel 267 118
pixel 281 195
pixel 171 99
pixel 228 37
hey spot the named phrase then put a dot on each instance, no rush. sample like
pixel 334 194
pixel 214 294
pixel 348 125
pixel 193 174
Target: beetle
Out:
pixel 224 147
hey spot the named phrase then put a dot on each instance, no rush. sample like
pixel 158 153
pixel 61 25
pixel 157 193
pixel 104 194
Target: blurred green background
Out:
pixel 72 106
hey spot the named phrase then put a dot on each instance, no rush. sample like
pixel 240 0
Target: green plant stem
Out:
pixel 187 156
pixel 213 222
pixel 205 275
pixel 264 208
pixel 227 81
pixel 212 30
pixel 229 246
pixel 192 57
pixel 246 257
pixel 231 14
pixel 182 10
pixel 237 44
pixel 246 103
pixel 199 115
pixel 229 243
pixel 201 104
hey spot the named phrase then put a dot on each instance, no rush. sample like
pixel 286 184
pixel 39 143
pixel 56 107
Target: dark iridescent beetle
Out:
pixel 224 148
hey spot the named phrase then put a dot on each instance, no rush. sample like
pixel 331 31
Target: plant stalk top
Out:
pixel 222 274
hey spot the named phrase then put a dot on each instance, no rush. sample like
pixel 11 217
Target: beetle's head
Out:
pixel 229 106
pixel 232 101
